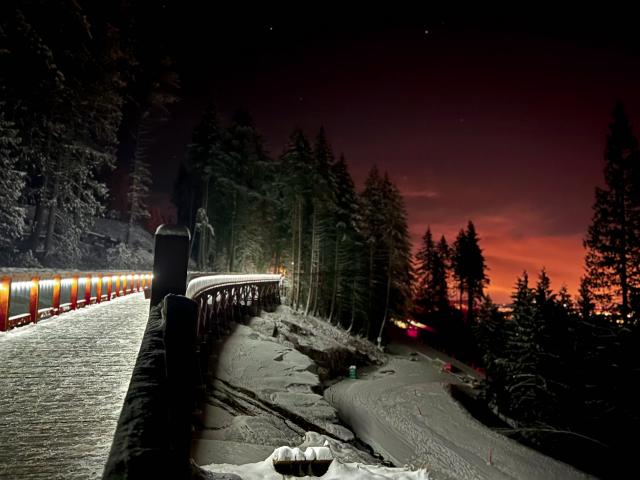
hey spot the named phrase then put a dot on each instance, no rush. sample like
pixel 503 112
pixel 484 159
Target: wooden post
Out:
pixel 170 262
pixel 138 283
pixel 5 301
pixel 117 285
pixel 109 286
pixel 33 299
pixel 133 282
pixel 73 299
pixel 87 291
pixel 99 289
pixel 180 316
pixel 124 284
pixel 55 298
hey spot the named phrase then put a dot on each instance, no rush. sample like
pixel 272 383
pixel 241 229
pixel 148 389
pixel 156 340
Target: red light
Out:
pixel 412 332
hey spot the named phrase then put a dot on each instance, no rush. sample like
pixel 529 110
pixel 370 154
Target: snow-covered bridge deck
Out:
pixel 62 384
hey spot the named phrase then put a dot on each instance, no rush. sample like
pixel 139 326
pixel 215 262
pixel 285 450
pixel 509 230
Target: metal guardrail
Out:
pixel 28 297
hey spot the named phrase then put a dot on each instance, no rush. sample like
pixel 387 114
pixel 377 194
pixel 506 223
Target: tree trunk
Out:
pixel 53 210
pixel 293 255
pixel 470 295
pixel 353 304
pixel 51 221
pixel 312 262
pixel 232 240
pixel 336 277
pixel 386 303
pixel 319 277
pixel 299 259
pixel 39 217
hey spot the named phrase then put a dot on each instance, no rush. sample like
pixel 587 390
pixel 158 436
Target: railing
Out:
pixel 222 299
pixel 29 297
pixel 153 436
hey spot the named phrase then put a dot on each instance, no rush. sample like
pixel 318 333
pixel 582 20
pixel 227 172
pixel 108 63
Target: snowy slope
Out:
pixel 404 412
pixel 263 392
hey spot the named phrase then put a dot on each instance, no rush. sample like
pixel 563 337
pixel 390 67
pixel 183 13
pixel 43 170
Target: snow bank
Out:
pixel 404 412
pixel 263 393
pixel 330 347
pixel 338 470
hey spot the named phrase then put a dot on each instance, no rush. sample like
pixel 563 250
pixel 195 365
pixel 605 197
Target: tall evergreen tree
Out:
pixel 613 240
pixel 295 179
pixel 469 268
pixel 12 214
pixel 205 158
pixel 432 291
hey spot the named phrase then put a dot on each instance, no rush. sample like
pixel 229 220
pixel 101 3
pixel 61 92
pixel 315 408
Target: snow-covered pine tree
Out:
pixel 613 239
pixel 295 174
pixel 140 181
pixel 204 157
pixel 69 112
pixel 347 274
pixel 398 253
pixel 240 189
pixel 12 181
pixel 155 92
pixel 323 229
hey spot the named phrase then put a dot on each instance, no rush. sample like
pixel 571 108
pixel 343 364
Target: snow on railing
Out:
pixel 200 285
pixel 28 297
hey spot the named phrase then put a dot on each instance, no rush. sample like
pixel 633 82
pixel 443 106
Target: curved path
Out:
pixel 62 384
pixel 404 412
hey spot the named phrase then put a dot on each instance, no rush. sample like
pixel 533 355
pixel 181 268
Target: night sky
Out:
pixel 496 119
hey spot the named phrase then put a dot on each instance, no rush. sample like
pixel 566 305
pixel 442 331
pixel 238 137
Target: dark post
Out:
pixel 170 262
pixel 180 339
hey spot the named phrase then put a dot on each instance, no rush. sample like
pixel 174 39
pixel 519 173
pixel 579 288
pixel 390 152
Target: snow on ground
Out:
pixel 264 394
pixel 62 384
pixel 405 413
pixel 342 467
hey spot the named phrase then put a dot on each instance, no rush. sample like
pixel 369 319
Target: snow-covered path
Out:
pixel 404 412
pixel 62 384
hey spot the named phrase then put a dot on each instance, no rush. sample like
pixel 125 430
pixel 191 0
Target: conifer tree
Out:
pixel 613 240
pixel 469 268
pixel 295 174
pixel 432 291
pixel 12 214
pixel 204 159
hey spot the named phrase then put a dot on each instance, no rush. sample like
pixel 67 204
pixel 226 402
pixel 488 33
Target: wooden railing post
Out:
pixel 34 292
pixel 5 301
pixel 87 291
pixel 117 285
pixel 55 296
pixel 109 286
pixel 73 299
pixel 170 262
pixel 99 289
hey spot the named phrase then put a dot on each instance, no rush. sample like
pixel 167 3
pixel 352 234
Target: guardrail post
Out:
pixel 99 289
pixel 117 285
pixel 5 301
pixel 109 286
pixel 73 297
pixel 87 291
pixel 55 296
pixel 170 262
pixel 33 299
